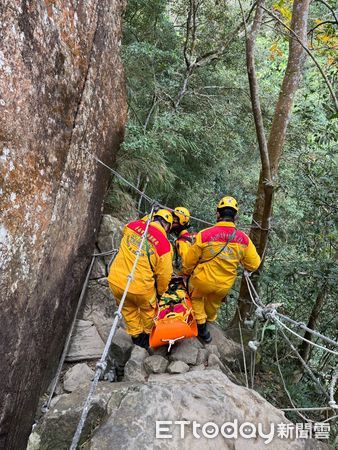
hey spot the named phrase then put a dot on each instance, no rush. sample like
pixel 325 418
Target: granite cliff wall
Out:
pixel 62 92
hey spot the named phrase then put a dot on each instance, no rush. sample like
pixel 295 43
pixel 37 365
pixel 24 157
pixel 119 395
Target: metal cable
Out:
pixel 45 408
pixel 110 252
pixel 304 339
pixel 101 365
pixel 332 401
pixel 324 408
pixel 304 364
pixel 145 196
pixel 304 327
pixel 243 353
pixel 258 303
pixel 283 381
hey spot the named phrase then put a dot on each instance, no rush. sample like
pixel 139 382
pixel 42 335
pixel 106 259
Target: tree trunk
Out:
pixel 305 347
pixel 265 192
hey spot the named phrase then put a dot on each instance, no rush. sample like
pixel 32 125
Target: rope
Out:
pixel 253 367
pixel 283 381
pixel 243 353
pixel 110 252
pixel 324 408
pixel 145 196
pixel 304 327
pixel 306 340
pixel 272 313
pixel 304 364
pixel 102 364
pixel 46 407
pixel 330 418
pixel 332 401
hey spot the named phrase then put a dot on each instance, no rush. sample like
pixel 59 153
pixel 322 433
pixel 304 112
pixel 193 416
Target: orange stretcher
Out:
pixel 174 319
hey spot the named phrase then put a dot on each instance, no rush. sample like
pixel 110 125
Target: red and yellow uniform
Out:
pixel 183 243
pixel 155 262
pixel 213 273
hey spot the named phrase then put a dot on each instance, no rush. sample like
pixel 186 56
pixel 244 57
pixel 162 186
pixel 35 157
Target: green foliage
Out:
pixel 195 150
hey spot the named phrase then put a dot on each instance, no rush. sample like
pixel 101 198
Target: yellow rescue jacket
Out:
pixel 218 270
pixel 183 243
pixel 155 261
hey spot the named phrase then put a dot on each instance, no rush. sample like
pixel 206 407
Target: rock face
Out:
pixel 125 416
pixel 62 93
pixel 86 342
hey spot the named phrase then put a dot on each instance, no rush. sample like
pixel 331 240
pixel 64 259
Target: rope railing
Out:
pixel 102 364
pixel 270 312
pixel 46 407
pixel 284 384
pixel 154 201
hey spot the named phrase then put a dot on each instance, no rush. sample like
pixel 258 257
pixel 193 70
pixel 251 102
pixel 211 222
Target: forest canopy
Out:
pixel 191 138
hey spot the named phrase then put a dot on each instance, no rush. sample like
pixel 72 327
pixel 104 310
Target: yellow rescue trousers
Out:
pixel 206 301
pixel 138 310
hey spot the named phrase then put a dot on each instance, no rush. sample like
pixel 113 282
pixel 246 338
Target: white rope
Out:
pixel 332 401
pixel 145 196
pixel 102 364
pixel 243 353
pixel 110 252
pixel 283 381
pixel 171 342
pixel 304 327
pixel 45 408
pixel 304 364
pixel 324 408
pixel 330 418
pixel 306 340
pixel 273 313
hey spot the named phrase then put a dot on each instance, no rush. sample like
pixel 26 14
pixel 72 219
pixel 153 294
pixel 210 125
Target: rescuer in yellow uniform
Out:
pixel 151 277
pixel 212 263
pixel 185 239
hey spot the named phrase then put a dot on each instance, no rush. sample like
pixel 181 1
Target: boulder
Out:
pixel 185 351
pixel 199 367
pixel 230 352
pixel 202 356
pixel 77 375
pixel 109 237
pixel 99 269
pixel 215 363
pixel 127 416
pixel 155 364
pixel 100 307
pixel 86 342
pixel 178 367
pixel 161 351
pixel 121 347
pixel 56 399
pixel 193 398
pixel 134 369
pixel 212 349
pixel 58 425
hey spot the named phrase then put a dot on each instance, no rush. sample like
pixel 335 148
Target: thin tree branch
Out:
pixel 330 8
pixel 320 24
pixel 154 103
pixel 203 60
pixel 254 90
pixel 308 52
